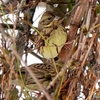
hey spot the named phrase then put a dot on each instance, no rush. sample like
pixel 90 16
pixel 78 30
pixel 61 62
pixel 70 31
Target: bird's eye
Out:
pixel 49 18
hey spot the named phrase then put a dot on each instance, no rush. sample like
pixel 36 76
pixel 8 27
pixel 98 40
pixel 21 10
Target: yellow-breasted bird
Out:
pixel 54 35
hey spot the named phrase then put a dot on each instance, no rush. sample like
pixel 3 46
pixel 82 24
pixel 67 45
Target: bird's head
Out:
pixel 48 19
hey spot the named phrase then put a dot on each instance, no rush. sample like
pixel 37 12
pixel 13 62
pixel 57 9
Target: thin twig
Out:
pixel 91 44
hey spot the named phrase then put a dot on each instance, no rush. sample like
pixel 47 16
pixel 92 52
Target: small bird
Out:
pixel 54 35
pixel 44 72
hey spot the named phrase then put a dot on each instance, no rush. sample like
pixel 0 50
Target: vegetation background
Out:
pixel 79 58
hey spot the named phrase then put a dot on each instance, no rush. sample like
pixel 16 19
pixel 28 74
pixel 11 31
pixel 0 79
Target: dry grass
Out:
pixel 78 74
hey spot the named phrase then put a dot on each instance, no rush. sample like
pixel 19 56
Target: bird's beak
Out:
pixel 56 20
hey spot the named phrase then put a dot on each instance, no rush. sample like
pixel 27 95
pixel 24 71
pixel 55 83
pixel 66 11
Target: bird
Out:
pixel 45 72
pixel 54 35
